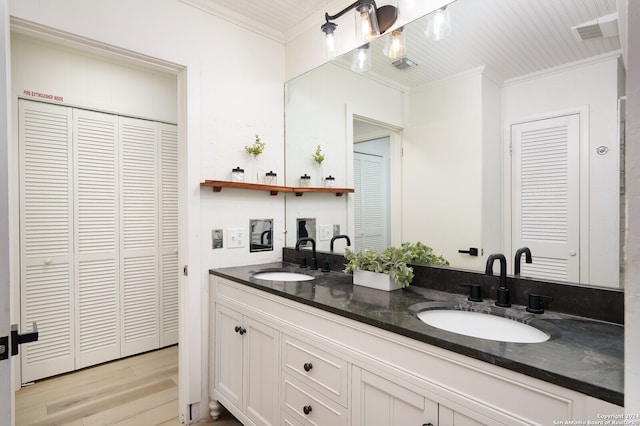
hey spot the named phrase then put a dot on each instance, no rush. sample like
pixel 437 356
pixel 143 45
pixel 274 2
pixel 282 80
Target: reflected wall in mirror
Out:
pixel 505 134
pixel 261 235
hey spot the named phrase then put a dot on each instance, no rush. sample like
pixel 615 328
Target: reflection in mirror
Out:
pixel 508 129
pixel 261 231
pixel 305 228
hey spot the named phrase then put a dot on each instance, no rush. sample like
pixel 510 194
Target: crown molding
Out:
pixel 236 18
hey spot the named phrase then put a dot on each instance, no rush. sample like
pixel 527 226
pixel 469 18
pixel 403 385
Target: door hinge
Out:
pixel 185 270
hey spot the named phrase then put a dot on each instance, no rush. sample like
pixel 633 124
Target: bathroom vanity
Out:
pixel 326 352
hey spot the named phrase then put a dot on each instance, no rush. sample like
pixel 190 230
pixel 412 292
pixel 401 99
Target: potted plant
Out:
pixel 389 270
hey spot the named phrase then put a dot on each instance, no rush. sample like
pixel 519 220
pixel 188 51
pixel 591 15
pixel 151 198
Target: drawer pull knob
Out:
pixel 240 330
pixel 306 409
pixel 307 366
pixel 428 424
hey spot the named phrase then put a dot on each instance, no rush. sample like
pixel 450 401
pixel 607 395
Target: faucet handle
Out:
pixel 535 303
pixel 474 292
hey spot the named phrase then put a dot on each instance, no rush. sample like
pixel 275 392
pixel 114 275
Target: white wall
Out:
pixel 442 170
pixel 593 86
pixel 226 93
pixel 86 80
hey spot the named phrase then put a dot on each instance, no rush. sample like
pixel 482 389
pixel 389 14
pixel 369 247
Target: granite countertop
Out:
pixel 582 354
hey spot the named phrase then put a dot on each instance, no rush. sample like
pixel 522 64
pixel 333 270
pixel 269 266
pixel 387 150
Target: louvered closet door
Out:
pixel 169 234
pixel 546 185
pixel 46 254
pixel 369 205
pixel 139 240
pixel 96 230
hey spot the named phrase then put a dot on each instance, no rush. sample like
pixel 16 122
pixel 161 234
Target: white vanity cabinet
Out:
pixel 246 366
pixel 300 365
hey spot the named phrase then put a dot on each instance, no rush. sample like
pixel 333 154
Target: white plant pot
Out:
pixel 375 280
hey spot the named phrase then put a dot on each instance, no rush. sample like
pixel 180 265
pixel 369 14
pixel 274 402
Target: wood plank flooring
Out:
pixel 140 390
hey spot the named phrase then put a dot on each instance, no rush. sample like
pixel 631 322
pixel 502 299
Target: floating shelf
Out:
pixel 217 186
pixel 337 191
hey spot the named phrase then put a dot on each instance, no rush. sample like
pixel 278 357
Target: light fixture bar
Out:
pixel 371 20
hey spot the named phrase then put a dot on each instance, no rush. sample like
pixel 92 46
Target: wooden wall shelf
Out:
pixel 217 186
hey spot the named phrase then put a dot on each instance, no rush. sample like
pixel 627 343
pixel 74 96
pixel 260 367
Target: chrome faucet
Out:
pixel 314 261
pixel 335 237
pixel 527 258
pixel 503 299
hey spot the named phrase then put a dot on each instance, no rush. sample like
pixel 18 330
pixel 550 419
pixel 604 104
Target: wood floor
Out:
pixel 140 390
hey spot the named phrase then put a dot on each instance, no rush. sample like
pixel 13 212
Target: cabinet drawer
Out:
pixel 305 406
pixel 321 370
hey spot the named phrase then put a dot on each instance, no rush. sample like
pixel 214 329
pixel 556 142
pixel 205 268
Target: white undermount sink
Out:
pixel 282 276
pixel 483 326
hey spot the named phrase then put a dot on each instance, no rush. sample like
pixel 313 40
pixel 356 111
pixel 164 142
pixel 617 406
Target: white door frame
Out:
pixel 7 394
pixel 190 329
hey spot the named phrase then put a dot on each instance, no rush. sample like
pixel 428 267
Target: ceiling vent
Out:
pixel 404 64
pixel 605 26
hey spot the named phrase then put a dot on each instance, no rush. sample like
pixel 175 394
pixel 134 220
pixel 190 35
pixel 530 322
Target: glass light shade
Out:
pixel 330 46
pixel 361 59
pixel 438 24
pixel 366 22
pixel 395 46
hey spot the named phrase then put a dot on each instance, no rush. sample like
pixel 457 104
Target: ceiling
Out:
pixel 511 38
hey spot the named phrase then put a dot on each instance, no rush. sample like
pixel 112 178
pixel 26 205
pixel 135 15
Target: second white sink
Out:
pixel 282 276
pixel 483 326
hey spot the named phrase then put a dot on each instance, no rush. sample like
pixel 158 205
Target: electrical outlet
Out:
pixel 336 229
pixel 326 232
pixel 236 238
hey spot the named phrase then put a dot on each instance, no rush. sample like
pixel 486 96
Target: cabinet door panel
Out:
pixel 380 402
pixel 448 417
pixel 228 361
pixel 261 372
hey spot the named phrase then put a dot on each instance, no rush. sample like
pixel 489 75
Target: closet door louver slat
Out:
pixel 46 238
pixel 96 183
pixel 139 246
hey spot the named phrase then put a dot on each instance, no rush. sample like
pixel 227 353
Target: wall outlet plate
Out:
pixel 326 232
pixel 236 238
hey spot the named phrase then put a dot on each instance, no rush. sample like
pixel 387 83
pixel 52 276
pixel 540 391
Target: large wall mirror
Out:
pixel 505 133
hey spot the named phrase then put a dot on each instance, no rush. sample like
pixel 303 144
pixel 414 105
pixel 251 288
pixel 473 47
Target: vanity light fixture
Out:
pixel 361 61
pixel 395 46
pixel 371 21
pixel 438 24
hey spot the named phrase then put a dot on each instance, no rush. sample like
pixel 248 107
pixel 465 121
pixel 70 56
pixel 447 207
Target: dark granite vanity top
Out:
pixel 582 354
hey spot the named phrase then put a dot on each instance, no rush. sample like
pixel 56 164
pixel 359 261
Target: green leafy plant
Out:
pixel 257 148
pixel 318 156
pixel 393 261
